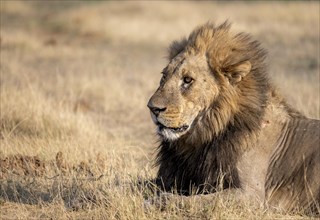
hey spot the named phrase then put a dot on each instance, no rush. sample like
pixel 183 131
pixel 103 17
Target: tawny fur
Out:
pixel 242 133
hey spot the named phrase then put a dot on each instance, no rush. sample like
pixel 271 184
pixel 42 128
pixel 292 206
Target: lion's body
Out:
pixel 223 124
pixel 283 167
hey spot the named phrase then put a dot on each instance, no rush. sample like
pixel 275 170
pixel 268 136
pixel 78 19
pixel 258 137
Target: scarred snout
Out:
pixel 156 110
pixel 167 117
pixel 156 105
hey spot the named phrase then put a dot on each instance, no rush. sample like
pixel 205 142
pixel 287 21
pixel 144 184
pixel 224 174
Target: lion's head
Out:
pixel 203 84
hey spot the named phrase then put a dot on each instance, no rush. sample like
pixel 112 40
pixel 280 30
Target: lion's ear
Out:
pixel 236 72
pixel 176 47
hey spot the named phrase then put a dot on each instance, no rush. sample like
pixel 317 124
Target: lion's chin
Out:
pixel 171 134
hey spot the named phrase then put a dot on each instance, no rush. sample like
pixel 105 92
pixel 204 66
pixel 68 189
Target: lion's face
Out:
pixel 186 89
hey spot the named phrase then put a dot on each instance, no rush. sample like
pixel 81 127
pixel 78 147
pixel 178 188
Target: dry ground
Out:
pixel 75 132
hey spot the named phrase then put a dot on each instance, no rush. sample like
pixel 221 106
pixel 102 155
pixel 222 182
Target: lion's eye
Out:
pixel 187 79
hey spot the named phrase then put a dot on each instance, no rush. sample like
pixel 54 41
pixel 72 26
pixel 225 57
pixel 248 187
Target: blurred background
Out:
pixel 76 77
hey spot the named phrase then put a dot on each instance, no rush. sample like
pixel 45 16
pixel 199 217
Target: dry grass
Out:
pixel 75 79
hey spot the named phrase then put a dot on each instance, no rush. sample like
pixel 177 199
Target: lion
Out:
pixel 221 122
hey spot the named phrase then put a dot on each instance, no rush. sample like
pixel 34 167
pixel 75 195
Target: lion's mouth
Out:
pixel 175 130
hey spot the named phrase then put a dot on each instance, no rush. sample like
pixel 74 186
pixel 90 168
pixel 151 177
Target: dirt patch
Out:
pixel 33 166
pixel 21 165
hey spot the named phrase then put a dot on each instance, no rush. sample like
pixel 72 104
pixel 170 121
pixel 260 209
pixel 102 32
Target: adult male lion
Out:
pixel 221 121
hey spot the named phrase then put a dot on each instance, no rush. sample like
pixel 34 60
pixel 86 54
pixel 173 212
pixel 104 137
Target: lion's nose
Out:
pixel 156 110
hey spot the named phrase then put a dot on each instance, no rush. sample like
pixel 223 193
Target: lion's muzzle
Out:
pixel 155 109
pixel 165 129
